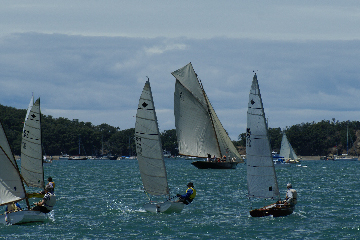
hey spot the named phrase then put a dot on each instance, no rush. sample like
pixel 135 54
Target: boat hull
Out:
pixel 346 159
pixel 164 207
pixel 214 165
pixel 77 158
pixel 25 216
pixel 275 210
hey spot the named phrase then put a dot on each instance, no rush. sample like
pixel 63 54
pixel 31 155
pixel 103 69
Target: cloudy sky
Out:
pixel 88 60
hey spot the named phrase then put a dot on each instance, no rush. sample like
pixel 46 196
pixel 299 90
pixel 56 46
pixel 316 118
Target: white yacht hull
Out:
pixel 164 207
pixel 25 216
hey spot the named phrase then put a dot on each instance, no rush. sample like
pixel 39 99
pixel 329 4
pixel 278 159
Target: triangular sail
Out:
pixel 148 146
pixel 31 149
pixel 226 146
pixel 198 129
pixel 29 108
pixel 286 149
pixel 11 187
pixel 261 176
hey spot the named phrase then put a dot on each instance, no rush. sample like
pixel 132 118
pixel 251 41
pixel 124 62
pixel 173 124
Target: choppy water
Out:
pixel 103 200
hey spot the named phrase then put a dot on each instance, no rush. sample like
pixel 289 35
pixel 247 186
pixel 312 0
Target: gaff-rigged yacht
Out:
pixel 198 129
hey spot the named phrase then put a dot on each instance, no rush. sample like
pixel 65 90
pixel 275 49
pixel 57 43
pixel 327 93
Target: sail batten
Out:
pixel 261 176
pixel 31 148
pixel 198 129
pixel 148 146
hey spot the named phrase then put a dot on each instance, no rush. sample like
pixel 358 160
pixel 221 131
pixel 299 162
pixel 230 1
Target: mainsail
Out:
pixel 261 176
pixel 198 129
pixel 148 146
pixel 286 150
pixel 11 187
pixel 31 149
pixel 29 108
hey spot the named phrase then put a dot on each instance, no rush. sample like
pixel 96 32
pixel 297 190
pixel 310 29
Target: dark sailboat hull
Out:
pixel 214 165
pixel 275 210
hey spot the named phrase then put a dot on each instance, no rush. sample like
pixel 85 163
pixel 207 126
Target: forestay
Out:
pixel 261 176
pixel 11 188
pixel 198 128
pixel 148 146
pixel 31 149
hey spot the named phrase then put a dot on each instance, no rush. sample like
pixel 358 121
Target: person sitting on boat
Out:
pixel 47 203
pixel 50 184
pixel 291 195
pixel 189 196
pixel 13 207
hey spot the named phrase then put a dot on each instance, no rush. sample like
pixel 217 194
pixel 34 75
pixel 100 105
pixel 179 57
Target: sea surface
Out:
pixel 102 199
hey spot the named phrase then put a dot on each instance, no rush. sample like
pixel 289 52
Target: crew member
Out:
pixel 50 184
pixel 189 196
pixel 13 207
pixel 47 203
pixel 291 195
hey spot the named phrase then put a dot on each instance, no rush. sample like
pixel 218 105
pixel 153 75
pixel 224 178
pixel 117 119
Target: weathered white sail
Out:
pixel 286 149
pixel 226 146
pixel 148 146
pixel 261 176
pixel 11 188
pixel 31 149
pixel 198 129
pixel 29 108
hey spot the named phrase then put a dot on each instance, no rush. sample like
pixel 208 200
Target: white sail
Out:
pixel 29 108
pixel 286 149
pixel 261 176
pixel 148 146
pixel 31 149
pixel 11 188
pixel 198 129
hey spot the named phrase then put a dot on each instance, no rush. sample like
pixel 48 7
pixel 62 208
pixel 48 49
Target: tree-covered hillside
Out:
pixel 61 135
pixel 324 138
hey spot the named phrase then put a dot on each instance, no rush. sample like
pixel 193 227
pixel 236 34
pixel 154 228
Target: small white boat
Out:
pixel 164 207
pixel 150 155
pixel 12 189
pixel 287 151
pixel 24 216
pixel 261 175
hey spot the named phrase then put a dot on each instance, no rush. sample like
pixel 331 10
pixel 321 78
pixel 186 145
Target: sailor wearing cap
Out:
pixel 189 196
pixel 291 195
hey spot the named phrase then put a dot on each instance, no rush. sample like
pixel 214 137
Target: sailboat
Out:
pixel 12 187
pixel 199 131
pixel 78 157
pixel 150 155
pixel 261 175
pixel 345 157
pixel 287 152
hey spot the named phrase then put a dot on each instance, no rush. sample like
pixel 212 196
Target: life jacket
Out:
pixel 12 207
pixel 51 184
pixel 192 196
pixel 49 201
